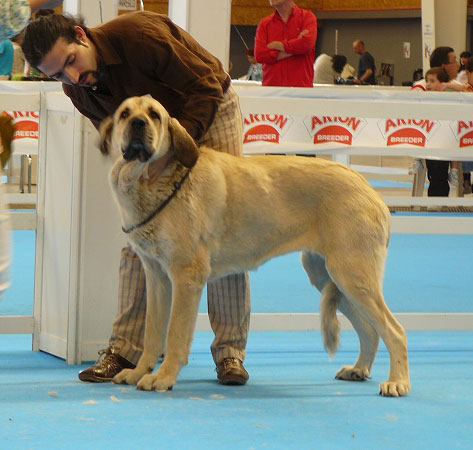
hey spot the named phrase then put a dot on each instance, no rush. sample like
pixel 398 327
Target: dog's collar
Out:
pixel 177 186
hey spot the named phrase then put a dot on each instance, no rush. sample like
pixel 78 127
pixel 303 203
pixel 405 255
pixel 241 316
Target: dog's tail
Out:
pixel 329 323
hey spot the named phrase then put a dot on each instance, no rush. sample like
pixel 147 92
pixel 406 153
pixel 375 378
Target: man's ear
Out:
pixel 105 130
pixel 184 147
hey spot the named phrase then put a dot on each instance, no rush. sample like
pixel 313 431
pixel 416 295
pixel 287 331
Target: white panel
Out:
pixel 178 11
pixel 450 24
pixel 21 220
pixel 56 212
pixel 209 24
pixel 94 12
pixel 16 324
pixel 50 343
pixel 431 225
pixel 101 243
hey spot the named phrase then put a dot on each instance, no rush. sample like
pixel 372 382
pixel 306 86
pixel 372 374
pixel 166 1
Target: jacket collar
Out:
pixel 104 48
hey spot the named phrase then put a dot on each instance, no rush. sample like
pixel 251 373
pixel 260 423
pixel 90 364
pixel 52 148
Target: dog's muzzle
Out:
pixel 136 148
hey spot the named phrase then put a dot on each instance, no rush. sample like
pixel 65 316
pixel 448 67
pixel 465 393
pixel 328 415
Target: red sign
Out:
pixel 407 136
pixel 265 133
pixel 26 124
pixel 265 127
pixel 333 133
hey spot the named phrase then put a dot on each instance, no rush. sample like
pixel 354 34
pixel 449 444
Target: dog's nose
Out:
pixel 137 124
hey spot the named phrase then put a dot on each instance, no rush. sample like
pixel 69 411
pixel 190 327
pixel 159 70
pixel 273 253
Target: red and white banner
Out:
pixel 25 139
pixel 341 119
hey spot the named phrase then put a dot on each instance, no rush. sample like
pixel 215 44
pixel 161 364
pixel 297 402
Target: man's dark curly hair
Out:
pixel 440 56
pixel 42 33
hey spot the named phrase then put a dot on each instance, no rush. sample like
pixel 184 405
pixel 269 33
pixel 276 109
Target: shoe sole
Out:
pixel 93 379
pixel 233 381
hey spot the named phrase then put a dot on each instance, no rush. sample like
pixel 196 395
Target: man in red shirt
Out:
pixel 285 45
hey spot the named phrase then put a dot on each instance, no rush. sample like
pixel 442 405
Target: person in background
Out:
pixel 6 58
pixel 438 171
pixel 366 64
pixel 255 71
pixel 461 77
pixel 99 68
pixel 328 68
pixel 417 75
pixel 15 14
pixel 467 166
pixel 435 79
pixel 285 45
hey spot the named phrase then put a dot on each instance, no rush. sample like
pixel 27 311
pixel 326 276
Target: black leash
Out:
pixel 177 186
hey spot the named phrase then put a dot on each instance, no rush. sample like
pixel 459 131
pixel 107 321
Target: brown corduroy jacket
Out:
pixel 146 53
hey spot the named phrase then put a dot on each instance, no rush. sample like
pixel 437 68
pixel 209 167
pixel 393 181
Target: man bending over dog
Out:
pixel 133 55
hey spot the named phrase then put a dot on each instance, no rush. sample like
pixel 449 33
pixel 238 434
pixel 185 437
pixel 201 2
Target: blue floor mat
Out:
pixel 292 400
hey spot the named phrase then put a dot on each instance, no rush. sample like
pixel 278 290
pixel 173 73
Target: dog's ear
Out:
pixel 105 130
pixel 182 143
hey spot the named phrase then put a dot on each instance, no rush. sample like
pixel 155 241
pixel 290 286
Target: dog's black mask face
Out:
pixel 137 148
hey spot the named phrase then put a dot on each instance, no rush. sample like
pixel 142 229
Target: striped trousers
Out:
pixel 228 298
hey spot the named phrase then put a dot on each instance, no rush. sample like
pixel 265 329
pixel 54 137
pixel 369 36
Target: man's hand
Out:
pixel 283 55
pixel 276 45
pixel 467 87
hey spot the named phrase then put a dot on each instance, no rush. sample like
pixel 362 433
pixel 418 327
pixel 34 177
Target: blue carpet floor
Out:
pixel 292 400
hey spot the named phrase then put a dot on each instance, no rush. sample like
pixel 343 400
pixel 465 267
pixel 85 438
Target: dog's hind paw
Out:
pixel 154 382
pixel 128 376
pixel 351 373
pixel 394 389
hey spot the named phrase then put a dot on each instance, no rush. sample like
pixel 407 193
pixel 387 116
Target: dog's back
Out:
pixel 270 205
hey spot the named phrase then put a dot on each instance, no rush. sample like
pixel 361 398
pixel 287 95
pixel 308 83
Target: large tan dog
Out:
pixel 197 214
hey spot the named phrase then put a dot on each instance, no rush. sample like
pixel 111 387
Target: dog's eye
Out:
pixel 125 113
pixel 153 114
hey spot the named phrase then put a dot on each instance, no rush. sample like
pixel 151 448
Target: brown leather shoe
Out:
pixel 105 369
pixel 231 371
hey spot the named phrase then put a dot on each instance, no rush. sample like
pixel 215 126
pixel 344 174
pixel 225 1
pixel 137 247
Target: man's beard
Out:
pixel 99 75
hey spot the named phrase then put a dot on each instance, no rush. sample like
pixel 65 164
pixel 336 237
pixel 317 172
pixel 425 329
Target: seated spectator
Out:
pixel 437 170
pixel 436 79
pixel 255 71
pixel 467 166
pixel 461 77
pixel 417 75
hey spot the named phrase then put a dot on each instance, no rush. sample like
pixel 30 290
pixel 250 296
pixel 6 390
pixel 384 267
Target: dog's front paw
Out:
pixel 352 373
pixel 394 389
pixel 128 376
pixel 155 382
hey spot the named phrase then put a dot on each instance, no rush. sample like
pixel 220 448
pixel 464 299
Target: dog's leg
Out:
pixel 158 307
pixel 187 287
pixel 369 340
pixel 359 277
pixel 319 277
